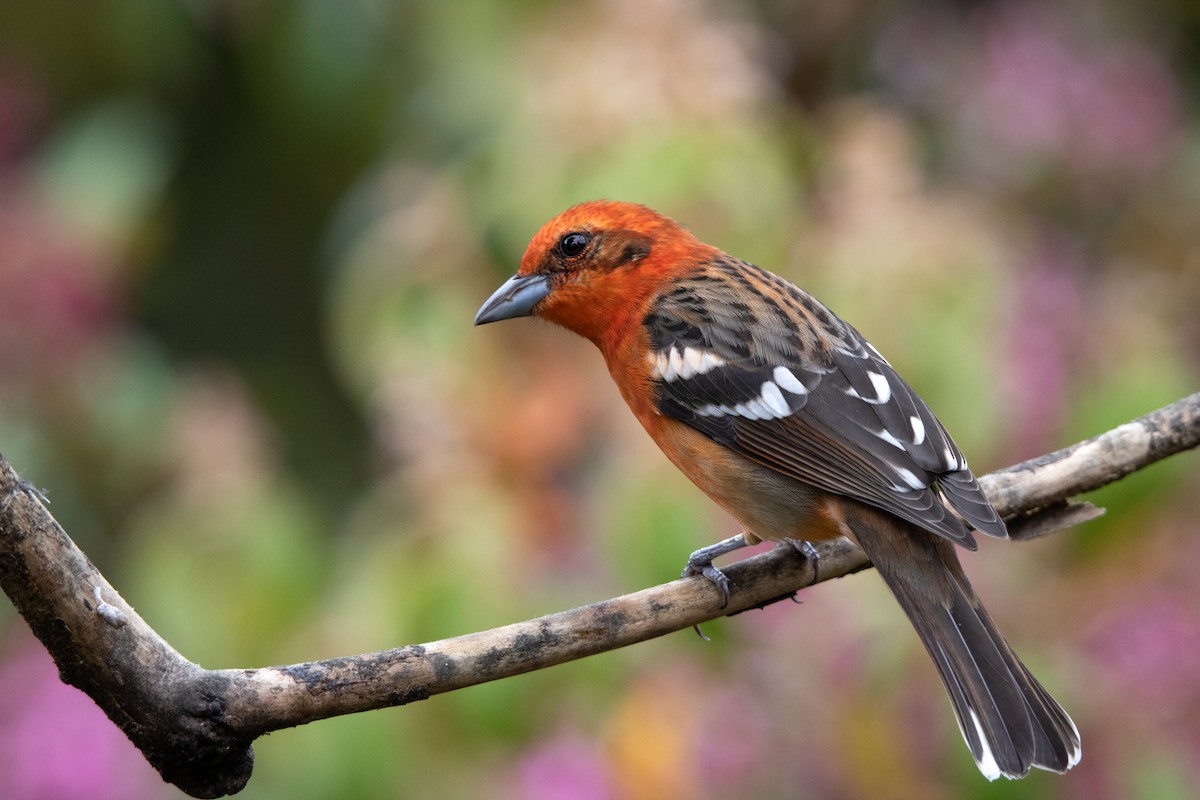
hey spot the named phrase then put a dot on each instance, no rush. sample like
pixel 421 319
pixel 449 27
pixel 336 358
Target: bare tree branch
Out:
pixel 196 725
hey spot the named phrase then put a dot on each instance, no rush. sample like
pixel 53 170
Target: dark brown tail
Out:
pixel 1009 721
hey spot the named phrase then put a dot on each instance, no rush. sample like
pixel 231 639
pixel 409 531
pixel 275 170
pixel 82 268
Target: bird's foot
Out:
pixel 810 553
pixel 700 563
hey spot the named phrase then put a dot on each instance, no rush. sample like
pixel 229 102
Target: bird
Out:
pixel 785 416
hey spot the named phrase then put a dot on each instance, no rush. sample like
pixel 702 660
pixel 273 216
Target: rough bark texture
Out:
pixel 196 726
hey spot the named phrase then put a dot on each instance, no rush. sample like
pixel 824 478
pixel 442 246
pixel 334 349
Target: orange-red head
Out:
pixel 594 267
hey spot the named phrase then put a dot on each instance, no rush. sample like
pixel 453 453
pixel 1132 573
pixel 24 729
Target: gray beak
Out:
pixel 515 298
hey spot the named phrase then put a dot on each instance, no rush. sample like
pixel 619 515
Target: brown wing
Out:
pixel 738 356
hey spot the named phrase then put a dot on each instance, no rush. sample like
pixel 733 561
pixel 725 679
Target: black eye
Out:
pixel 572 245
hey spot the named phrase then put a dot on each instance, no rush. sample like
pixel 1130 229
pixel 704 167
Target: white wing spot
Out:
pixel 878 354
pixel 747 410
pixel 910 478
pixel 668 365
pixel 662 367
pixel 760 407
pixel 788 381
pixel 918 428
pixel 770 404
pixel 677 367
pixel 952 461
pixel 887 436
pixel 709 362
pixel 883 390
pixel 698 362
pixel 691 362
pixel 773 398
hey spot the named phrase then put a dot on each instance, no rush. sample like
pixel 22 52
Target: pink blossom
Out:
pixel 56 743
pixel 563 768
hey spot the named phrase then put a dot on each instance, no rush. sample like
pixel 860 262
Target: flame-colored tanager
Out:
pixel 792 422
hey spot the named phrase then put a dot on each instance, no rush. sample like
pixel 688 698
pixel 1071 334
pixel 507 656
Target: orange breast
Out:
pixel 768 505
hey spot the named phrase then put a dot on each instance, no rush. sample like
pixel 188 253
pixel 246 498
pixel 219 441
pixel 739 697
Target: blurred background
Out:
pixel 241 245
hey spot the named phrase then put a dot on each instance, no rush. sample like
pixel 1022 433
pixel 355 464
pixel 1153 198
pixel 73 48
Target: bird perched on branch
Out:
pixel 792 422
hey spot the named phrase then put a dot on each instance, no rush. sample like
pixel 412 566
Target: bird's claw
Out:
pixel 811 555
pixel 701 563
pixel 714 575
